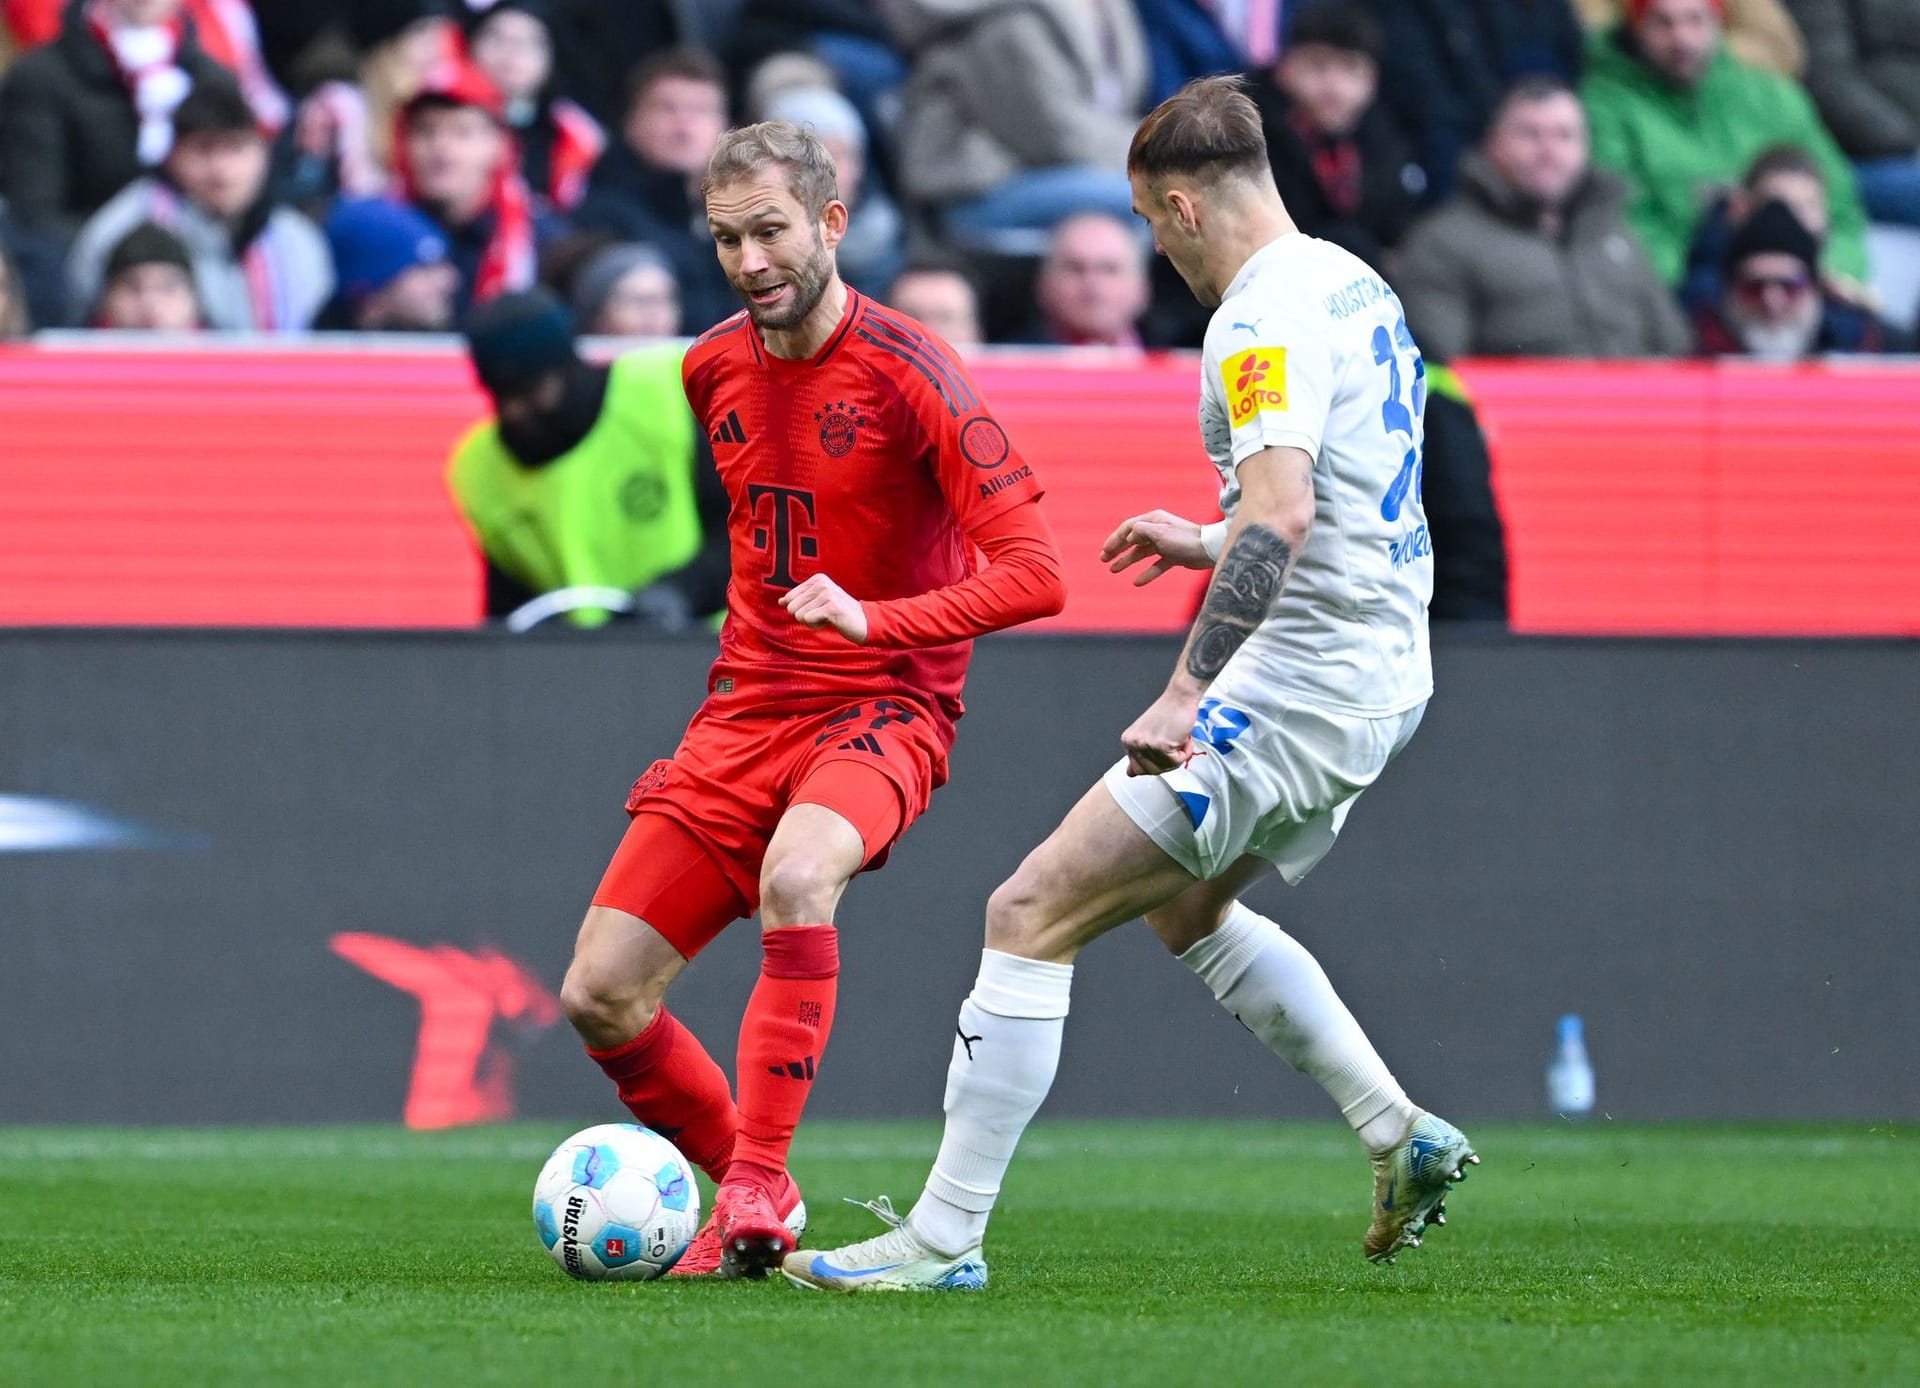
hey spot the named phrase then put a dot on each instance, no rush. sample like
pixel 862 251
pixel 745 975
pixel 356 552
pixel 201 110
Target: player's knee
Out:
pixel 799 889
pixel 1181 925
pixel 600 1001
pixel 1018 922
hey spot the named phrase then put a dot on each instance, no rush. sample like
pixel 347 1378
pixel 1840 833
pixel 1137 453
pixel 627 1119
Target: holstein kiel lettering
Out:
pixel 1255 380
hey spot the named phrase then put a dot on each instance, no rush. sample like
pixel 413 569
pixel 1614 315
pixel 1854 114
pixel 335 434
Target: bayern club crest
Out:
pixel 839 427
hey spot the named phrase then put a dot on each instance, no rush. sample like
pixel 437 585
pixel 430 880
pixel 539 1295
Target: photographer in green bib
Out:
pixel 587 477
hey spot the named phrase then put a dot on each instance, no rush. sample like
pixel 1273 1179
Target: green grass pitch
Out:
pixel 1151 1253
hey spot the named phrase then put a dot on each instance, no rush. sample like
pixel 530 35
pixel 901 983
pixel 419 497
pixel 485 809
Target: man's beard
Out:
pixel 809 280
pixel 1777 341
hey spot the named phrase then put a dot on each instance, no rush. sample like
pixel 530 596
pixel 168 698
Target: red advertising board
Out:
pixel 232 486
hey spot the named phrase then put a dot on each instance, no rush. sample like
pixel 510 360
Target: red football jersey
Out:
pixel 868 462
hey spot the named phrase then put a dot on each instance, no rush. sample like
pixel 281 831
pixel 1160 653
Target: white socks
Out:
pixel 1279 992
pixel 1003 1064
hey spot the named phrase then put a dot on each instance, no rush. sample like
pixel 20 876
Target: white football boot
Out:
pixel 896 1261
pixel 1410 1184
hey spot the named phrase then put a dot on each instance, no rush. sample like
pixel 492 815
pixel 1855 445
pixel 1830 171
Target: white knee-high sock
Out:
pixel 1004 1057
pixel 1266 978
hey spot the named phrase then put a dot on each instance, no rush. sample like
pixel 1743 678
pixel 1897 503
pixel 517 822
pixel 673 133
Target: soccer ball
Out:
pixel 616 1202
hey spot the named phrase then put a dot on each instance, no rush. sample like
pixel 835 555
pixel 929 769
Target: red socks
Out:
pixel 669 1082
pixel 782 1038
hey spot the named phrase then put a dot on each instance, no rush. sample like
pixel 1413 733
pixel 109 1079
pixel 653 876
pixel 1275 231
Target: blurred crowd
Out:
pixel 1584 178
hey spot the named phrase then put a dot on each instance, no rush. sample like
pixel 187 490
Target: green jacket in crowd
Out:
pixel 1676 146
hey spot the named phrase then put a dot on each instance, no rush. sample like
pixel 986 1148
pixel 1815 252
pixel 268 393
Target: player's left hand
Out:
pixel 820 602
pixel 1162 737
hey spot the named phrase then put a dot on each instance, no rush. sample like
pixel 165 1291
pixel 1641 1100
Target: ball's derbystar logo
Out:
pixel 1256 380
pixel 570 1233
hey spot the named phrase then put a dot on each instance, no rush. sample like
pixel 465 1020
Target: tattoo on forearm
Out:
pixel 1243 590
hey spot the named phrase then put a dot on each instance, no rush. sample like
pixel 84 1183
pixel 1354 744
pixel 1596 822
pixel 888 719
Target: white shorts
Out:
pixel 1271 778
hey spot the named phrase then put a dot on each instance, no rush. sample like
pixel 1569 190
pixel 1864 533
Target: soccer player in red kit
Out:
pixel 864 471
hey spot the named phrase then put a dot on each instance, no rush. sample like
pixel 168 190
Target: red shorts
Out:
pixel 690 861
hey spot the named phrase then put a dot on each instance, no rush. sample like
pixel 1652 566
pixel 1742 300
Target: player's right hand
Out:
pixel 1173 542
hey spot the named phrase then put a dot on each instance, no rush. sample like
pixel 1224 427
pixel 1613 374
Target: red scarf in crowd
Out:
pixel 510 261
pixel 578 142
pixel 227 31
pixel 147 60
pixel 1336 163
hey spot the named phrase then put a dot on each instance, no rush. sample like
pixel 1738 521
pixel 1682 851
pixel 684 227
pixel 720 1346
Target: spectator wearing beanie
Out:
pixel 1341 167
pixel 259 267
pixel 456 162
pixel 512 42
pixel 85 115
pixel 1677 116
pixel 394 274
pixel 875 244
pixel 1772 306
pixel 587 476
pixel 627 291
pixel 1532 255
pixel 148 285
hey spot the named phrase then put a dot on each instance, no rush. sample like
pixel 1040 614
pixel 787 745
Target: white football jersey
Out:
pixel 1309 349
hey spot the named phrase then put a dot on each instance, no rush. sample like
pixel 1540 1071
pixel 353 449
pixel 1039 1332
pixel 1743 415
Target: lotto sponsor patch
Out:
pixel 1256 380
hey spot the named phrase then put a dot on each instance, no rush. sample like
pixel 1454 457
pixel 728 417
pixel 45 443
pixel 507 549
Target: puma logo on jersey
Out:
pixel 1253 327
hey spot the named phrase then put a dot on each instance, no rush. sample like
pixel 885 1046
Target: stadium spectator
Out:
pixel 1532 256
pixel 1760 32
pixel 16 316
pixel 405 44
pixel 457 163
pixel 258 267
pixel 1864 75
pixel 1018 114
pixel 1342 169
pixel 627 290
pixel 647 185
pixel 84 115
pixel 512 43
pixel 1781 173
pixel 599 43
pixel 40 270
pixel 588 475
pixel 1679 117
pixel 148 285
pixel 1092 288
pixel 1188 39
pixel 1772 306
pixel 941 295
pixel 393 269
pixel 849 36
pixel 1445 63
pixel 875 244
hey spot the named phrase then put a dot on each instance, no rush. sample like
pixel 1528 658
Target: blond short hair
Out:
pixel 750 150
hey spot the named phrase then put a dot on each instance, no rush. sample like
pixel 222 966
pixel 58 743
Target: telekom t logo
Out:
pixel 459 1076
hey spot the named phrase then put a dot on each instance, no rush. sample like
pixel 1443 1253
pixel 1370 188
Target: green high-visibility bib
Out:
pixel 618 510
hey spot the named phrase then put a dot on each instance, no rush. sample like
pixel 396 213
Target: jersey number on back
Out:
pixel 1388 348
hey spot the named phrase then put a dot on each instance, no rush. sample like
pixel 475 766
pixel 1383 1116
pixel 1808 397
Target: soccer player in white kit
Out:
pixel 1306 671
